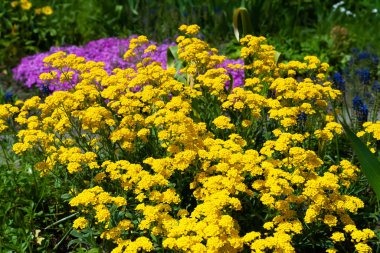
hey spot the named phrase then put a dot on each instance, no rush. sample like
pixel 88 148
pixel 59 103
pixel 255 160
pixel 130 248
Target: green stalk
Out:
pixel 5 156
pixel 63 238
pixel 62 220
pixel 375 108
pixel 337 148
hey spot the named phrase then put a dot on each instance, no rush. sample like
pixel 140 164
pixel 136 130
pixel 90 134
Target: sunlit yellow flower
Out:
pixel 26 5
pixel 47 10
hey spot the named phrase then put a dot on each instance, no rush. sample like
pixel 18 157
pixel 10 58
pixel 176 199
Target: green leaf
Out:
pixel 93 250
pixel 66 196
pixel 241 13
pixel 134 6
pixel 370 165
pixel 174 62
pixel 118 8
pixel 277 56
pixel 172 56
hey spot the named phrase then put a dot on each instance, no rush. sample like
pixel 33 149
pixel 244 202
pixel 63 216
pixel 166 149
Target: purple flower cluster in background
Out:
pixel 107 50
pixel 236 73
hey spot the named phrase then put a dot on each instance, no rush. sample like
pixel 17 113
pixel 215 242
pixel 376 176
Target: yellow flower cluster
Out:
pixel 6 112
pixel 327 133
pixel 360 237
pixel 46 10
pixel 196 181
pixel 372 130
pixel 189 29
pixel 291 90
pixel 261 55
pixel 27 5
pixel 24 4
pixel 197 54
pixel 135 44
pixel 223 122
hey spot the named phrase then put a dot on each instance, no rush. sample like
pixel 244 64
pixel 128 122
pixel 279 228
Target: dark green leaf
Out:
pixel 370 165
pixel 94 250
pixel 172 56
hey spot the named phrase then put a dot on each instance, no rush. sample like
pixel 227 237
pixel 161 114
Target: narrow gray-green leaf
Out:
pixel 241 13
pixel 369 163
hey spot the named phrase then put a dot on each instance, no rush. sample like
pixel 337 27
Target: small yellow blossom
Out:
pixel 80 223
pixel 223 122
pixel 47 10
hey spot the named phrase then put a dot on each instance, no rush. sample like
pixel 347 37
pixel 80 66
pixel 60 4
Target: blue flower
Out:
pixel 339 81
pixel 217 10
pixel 357 103
pixel 364 55
pixel 376 86
pixel 302 117
pixel 375 59
pixel 362 114
pixel 8 97
pixel 355 50
pixel 369 97
pixel 46 90
pixel 364 75
pixel 360 108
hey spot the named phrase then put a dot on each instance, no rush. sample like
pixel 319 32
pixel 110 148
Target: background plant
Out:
pixel 25 29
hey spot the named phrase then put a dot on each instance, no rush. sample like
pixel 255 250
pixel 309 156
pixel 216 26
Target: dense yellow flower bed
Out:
pixel 156 163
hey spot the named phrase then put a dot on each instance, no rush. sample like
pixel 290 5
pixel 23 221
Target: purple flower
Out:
pixel 107 50
pixel 237 74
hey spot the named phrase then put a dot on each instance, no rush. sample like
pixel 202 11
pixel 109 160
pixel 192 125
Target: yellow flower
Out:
pixel 223 122
pixel 80 223
pixel 362 235
pixel 337 237
pixel 26 5
pixel 363 248
pixel 189 29
pixel 150 48
pixel 38 11
pixel 14 4
pixel 330 220
pixel 102 213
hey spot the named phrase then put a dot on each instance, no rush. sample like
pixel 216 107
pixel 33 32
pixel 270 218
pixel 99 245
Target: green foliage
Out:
pixel 24 29
pixel 33 212
pixel 297 27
